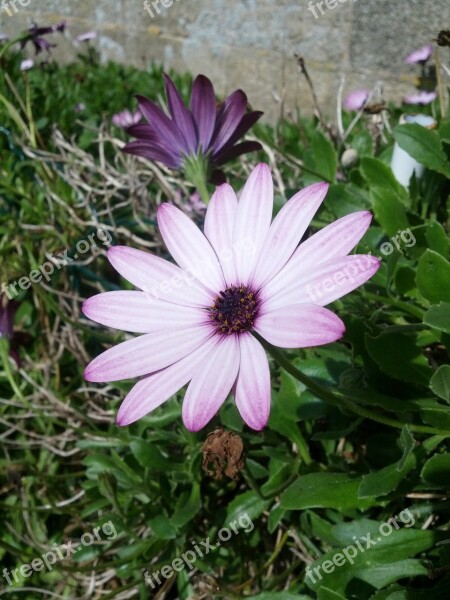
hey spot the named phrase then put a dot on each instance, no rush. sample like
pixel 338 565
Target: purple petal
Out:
pixel 139 312
pixel 287 230
pixel 253 383
pixel 162 125
pixel 189 247
pixel 155 389
pixel 181 116
pixel 246 123
pixel 300 326
pixel 152 151
pixel 228 119
pixel 203 108
pixel 146 354
pixel 236 151
pixel 252 221
pixel 211 384
pixel 219 227
pixel 158 277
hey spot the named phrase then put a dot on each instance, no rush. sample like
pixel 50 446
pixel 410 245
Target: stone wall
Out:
pixel 251 43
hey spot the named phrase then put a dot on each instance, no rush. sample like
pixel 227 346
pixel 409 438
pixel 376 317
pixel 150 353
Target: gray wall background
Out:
pixel 251 43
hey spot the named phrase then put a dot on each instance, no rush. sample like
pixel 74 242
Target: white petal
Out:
pixel 253 383
pixel 211 384
pixel 189 247
pixel 219 226
pixel 252 221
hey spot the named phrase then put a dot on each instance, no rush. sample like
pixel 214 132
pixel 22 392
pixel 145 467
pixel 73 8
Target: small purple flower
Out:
pixel 27 64
pixel 126 119
pixel 419 56
pixel 80 107
pixel 421 97
pixel 35 36
pixel 204 132
pixel 86 37
pixel 356 100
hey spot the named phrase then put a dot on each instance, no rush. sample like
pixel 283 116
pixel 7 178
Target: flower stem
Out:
pixel 338 398
pixel 4 357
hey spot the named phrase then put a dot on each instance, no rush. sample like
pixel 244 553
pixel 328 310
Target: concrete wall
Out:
pixel 251 43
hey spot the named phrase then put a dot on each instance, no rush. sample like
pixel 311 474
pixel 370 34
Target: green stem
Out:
pixel 4 355
pixel 414 311
pixel 338 398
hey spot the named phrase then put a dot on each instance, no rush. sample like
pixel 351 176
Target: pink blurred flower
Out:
pixel 125 118
pixel 421 55
pixel 420 98
pixel 86 37
pixel 356 100
pixel 242 275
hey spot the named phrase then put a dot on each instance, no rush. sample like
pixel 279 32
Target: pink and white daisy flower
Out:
pixel 242 275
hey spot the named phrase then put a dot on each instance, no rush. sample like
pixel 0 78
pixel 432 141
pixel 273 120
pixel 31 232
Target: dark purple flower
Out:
pixel 35 36
pixel 8 310
pixel 204 132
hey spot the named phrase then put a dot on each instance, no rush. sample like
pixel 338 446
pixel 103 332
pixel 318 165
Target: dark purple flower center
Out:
pixel 235 310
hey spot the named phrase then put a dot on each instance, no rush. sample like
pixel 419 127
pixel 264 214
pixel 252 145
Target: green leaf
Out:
pixel 379 175
pixel 324 490
pixel 440 383
pixel 280 596
pixel 148 455
pixel 247 503
pixel 407 444
pixel 438 417
pixel 437 470
pixel 397 355
pixel 424 145
pixel 162 527
pixel 384 481
pixel 389 211
pixel 325 593
pixel 433 277
pixel 325 159
pixel 438 317
pixel 188 505
pixel 437 238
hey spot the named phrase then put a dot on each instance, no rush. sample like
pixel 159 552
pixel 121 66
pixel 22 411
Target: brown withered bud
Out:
pixel 223 454
pixel 443 38
pixel 375 109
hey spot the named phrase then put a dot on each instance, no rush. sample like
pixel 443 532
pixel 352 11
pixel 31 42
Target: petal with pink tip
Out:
pixel 252 221
pixel 325 284
pixel 287 230
pixel 219 226
pixel 189 247
pixel 334 241
pixel 146 354
pixel 253 383
pixel 300 326
pixel 155 389
pixel 139 312
pixel 211 384
pixel 158 277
